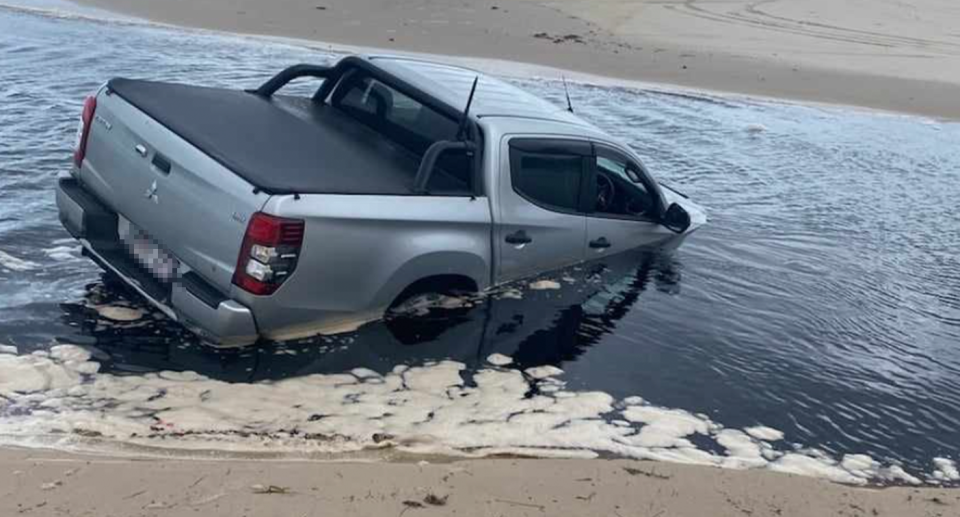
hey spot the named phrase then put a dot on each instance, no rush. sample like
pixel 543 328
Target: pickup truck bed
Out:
pixel 281 145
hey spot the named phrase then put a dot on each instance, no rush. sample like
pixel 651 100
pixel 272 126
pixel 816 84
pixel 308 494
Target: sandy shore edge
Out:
pixel 534 33
pixel 54 483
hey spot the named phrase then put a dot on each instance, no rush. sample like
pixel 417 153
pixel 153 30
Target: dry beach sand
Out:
pixel 900 55
pixel 40 483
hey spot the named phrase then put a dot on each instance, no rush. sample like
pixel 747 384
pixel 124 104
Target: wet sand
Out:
pixel 885 54
pixel 45 483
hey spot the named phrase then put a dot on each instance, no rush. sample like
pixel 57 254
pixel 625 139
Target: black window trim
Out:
pixel 544 145
pixel 645 178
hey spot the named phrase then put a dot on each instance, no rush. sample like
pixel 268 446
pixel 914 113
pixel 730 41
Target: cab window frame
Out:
pixel 615 153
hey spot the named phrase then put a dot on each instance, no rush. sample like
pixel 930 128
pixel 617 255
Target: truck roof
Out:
pixel 494 97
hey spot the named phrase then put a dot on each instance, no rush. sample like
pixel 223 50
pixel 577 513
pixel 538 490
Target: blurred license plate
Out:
pixel 147 252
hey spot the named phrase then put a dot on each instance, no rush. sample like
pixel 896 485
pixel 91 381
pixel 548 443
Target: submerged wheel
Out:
pixel 439 286
pixel 430 307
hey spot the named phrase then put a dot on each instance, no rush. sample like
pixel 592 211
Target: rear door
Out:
pixel 540 226
pixel 624 205
pixel 173 194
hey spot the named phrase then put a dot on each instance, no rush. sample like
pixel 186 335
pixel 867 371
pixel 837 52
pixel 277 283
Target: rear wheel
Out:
pixel 430 307
pixel 435 288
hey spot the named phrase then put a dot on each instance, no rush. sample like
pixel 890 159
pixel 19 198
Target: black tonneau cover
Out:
pixel 281 145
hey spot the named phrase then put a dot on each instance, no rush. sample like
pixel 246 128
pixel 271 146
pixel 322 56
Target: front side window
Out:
pixel 621 191
pixel 549 174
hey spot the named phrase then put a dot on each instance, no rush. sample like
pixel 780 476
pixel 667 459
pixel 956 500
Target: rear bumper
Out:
pixel 189 300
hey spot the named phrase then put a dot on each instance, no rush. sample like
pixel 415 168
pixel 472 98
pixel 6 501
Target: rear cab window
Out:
pixel 409 123
pixel 551 173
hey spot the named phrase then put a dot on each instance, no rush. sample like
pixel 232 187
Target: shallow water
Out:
pixel 822 300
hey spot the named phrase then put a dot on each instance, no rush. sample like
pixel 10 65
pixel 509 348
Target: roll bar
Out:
pixel 288 74
pixel 468 133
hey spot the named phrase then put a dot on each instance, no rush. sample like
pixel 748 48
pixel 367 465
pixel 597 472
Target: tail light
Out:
pixel 269 253
pixel 83 130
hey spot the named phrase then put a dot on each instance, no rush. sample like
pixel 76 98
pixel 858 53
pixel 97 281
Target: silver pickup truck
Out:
pixel 250 214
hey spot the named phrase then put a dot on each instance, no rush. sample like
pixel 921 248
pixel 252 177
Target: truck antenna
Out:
pixel 462 131
pixel 567 93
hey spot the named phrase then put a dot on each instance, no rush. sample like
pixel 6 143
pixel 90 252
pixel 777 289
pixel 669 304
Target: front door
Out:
pixel 626 206
pixel 541 225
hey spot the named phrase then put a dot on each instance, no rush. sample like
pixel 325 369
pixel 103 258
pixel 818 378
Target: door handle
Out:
pixel 600 244
pixel 161 163
pixel 518 238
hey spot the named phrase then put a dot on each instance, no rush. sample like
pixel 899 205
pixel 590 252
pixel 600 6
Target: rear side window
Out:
pixel 392 113
pixel 549 173
pixel 410 123
pixel 453 174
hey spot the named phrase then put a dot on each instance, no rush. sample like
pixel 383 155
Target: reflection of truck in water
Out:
pixel 252 214
pixel 539 327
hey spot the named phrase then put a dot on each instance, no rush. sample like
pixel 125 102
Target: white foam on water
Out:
pixel 422 304
pixel 666 427
pixel 764 433
pixel 42 373
pixel 743 451
pixel 811 465
pixel 57 397
pixel 858 462
pixel 545 285
pixel 543 372
pixel 512 294
pixel 62 253
pixel 499 359
pixel 119 313
pixel 945 470
pixel 8 349
pixel 11 263
pixel 896 473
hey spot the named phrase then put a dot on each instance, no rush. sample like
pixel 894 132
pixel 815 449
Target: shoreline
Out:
pixel 566 35
pixel 57 483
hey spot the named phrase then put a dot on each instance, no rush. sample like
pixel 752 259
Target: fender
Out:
pixel 461 263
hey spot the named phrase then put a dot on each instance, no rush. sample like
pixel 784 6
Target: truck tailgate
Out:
pixel 193 207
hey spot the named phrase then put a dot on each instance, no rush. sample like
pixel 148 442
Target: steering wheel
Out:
pixel 606 192
pixel 637 206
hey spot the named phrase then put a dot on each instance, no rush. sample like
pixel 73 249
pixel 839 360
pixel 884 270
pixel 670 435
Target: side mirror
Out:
pixel 676 218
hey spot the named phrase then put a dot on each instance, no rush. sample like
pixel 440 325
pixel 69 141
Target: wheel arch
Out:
pixel 453 270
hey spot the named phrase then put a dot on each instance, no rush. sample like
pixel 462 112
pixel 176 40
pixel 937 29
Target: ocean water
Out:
pixel 813 326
